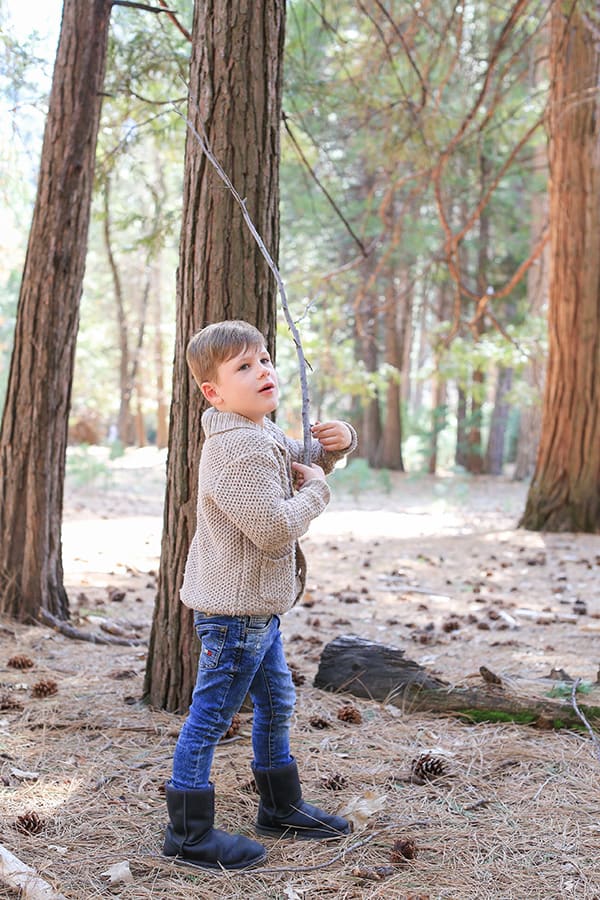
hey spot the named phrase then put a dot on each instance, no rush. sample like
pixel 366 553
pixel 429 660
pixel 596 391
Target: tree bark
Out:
pixel 565 491
pixel 33 436
pixel 235 91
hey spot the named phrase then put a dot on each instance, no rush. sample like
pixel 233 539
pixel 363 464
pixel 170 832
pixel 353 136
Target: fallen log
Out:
pixel 381 672
pixel 77 635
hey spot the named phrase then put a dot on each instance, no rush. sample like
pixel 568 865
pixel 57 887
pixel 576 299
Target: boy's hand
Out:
pixel 332 435
pixel 303 474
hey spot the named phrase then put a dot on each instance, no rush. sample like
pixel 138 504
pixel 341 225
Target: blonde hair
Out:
pixel 217 343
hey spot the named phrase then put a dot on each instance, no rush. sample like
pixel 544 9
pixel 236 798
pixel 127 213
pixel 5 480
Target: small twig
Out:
pixel 77 635
pixel 580 715
pixel 202 139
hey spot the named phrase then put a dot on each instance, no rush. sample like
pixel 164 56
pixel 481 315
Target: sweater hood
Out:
pixel 215 422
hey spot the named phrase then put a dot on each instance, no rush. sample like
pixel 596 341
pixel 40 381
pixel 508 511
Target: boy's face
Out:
pixel 245 384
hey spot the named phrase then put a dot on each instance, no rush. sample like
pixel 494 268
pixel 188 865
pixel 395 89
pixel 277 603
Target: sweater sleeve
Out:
pixel 249 492
pixel 324 458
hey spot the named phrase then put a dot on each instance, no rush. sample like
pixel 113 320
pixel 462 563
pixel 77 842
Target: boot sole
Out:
pixel 301 835
pixel 214 867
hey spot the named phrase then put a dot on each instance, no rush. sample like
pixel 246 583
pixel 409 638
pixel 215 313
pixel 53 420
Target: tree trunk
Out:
pixel 125 423
pixel 391 440
pixel 565 491
pixel 530 410
pixel 475 456
pixel 235 90
pixel 494 458
pixel 371 419
pixel 439 388
pixel 33 437
pixel 460 456
pixel 162 420
pixel 474 460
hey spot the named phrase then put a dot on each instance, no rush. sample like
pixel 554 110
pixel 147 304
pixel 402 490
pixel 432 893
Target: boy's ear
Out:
pixel 210 392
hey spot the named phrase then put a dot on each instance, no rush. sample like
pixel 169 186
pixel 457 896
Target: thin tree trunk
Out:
pixel 494 458
pixel 391 439
pixel 460 456
pixel 475 457
pixel 235 90
pixel 530 412
pixel 565 492
pixel 162 409
pixel 33 437
pixel 140 425
pixel 371 419
pixel 125 426
pixel 417 387
pixel 439 391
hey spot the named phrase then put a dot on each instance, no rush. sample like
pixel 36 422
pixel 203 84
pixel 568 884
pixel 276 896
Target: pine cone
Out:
pixel 297 677
pixel 234 727
pixel 44 688
pixel 426 766
pixel 335 782
pixel 20 661
pixel 403 849
pixel 29 823
pixel 7 701
pixel 349 713
pixel 319 722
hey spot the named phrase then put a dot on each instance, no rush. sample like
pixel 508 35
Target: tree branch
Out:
pixel 315 178
pixel 171 15
pixel 71 632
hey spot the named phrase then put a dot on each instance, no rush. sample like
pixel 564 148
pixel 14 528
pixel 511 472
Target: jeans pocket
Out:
pixel 213 639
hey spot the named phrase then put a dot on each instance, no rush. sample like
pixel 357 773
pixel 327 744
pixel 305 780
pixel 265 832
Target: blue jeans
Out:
pixel 240 655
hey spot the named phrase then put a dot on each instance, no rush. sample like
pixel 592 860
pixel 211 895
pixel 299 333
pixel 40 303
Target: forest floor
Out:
pixel 436 566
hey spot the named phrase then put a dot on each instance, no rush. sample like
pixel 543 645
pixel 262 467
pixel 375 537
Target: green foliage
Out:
pixel 358 479
pixel 84 467
pixel 376 116
pixel 565 690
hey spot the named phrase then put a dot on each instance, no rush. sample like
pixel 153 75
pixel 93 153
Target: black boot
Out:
pixel 191 838
pixel 283 812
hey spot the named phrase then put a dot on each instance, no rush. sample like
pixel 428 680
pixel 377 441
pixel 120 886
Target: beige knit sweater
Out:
pixel 245 558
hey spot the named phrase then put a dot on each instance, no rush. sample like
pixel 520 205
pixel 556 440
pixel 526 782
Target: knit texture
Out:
pixel 245 558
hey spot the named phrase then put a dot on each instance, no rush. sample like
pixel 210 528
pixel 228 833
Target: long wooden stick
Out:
pixel 202 139
pixel 574 704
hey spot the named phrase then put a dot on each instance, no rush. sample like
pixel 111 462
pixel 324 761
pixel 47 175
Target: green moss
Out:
pixel 493 715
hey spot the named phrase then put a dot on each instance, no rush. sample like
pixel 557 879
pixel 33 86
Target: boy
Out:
pixel 244 570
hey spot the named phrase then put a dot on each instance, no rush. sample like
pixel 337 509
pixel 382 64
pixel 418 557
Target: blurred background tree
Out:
pixel 414 224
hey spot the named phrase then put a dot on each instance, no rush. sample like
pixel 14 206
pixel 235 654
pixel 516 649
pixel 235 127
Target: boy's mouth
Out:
pixel 267 387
